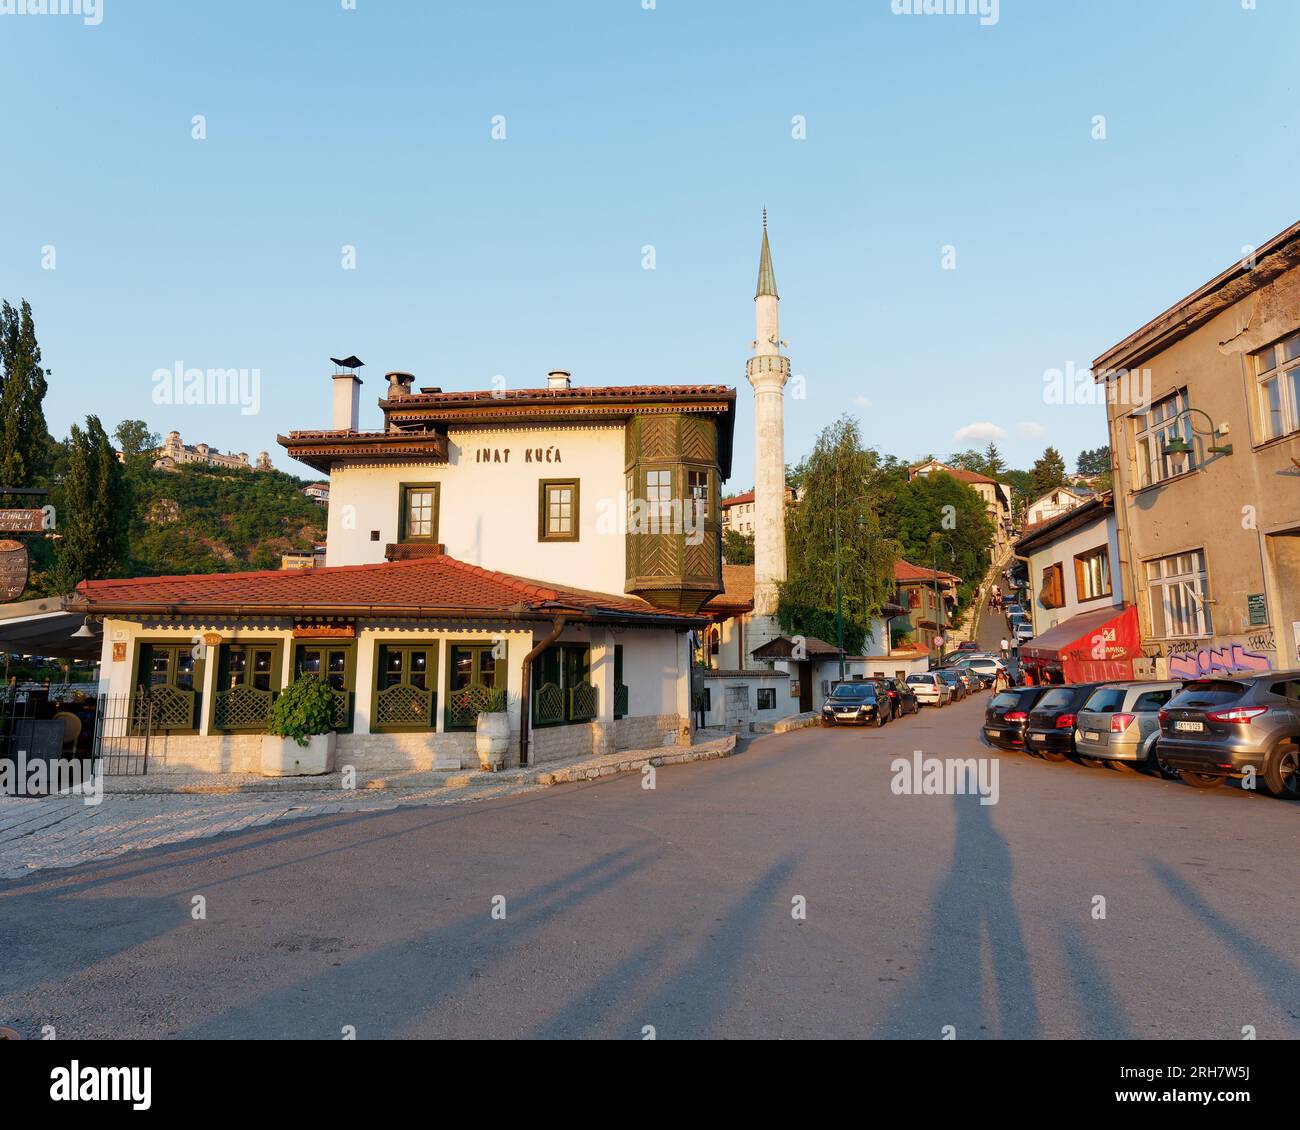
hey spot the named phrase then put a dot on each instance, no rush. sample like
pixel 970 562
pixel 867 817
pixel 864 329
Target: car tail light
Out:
pixel 1015 716
pixel 1065 722
pixel 1241 715
pixel 1162 716
pixel 1121 722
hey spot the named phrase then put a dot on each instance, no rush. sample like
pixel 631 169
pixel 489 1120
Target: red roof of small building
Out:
pixel 737 593
pixel 905 571
pixel 437 583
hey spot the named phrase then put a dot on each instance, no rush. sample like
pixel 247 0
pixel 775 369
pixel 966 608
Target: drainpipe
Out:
pixel 526 688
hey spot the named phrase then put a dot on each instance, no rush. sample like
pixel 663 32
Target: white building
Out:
pixel 174 454
pixel 555 542
pixel 1052 504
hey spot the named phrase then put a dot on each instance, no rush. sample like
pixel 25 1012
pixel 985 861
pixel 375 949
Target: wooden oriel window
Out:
pixel 1052 593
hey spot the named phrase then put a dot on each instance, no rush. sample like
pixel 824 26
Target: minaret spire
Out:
pixel 767 372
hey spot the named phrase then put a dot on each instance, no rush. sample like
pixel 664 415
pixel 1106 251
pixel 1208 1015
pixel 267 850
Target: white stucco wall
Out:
pixel 1101 530
pixel 488 510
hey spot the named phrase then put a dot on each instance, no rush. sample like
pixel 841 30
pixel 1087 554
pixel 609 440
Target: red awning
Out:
pixel 1105 635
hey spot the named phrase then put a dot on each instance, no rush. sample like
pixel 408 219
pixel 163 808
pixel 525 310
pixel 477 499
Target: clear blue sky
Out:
pixel 627 127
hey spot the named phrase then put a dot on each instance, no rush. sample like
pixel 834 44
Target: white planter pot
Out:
pixel 284 757
pixel 492 739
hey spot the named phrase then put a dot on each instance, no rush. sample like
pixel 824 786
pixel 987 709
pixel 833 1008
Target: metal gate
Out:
pixel 124 726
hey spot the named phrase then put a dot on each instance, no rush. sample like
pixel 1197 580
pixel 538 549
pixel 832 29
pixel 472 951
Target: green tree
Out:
pixel 1048 473
pixel 95 514
pixel 134 438
pixel 970 460
pixel 23 436
pixel 840 485
pixel 1093 462
pixel 737 548
pixel 994 464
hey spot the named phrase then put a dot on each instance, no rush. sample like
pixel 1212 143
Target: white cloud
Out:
pixel 862 401
pixel 982 430
pixel 1030 429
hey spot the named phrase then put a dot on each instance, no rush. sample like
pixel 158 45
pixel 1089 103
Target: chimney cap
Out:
pixel 352 362
pixel 558 378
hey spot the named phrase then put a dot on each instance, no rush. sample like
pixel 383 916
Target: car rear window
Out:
pixel 1152 700
pixel 1006 700
pixel 928 680
pixel 1105 700
pixel 1058 699
pixel 1209 692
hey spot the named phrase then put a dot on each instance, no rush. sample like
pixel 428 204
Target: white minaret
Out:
pixel 768 371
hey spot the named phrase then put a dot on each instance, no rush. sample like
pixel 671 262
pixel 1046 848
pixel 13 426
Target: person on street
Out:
pixel 1005 647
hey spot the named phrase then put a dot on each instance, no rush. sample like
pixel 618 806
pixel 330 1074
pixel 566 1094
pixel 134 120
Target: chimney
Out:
pixel 557 378
pixel 347 402
pixel 399 384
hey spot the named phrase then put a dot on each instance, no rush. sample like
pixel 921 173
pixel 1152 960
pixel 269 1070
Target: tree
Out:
pixel 1048 473
pixel 737 548
pixel 994 464
pixel 840 485
pixel 23 435
pixel 970 460
pixel 95 515
pixel 134 438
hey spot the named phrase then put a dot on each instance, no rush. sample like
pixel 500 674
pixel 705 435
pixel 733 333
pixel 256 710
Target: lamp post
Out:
pixel 935 542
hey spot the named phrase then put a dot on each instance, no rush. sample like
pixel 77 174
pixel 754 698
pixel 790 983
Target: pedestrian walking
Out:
pixel 1006 647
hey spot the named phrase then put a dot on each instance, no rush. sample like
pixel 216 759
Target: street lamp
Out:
pixel 1178 445
pixel 935 542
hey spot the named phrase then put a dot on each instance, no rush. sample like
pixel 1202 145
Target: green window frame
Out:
pixel 336 662
pixel 418 520
pixel 563 693
pixel 658 495
pixel 404 695
pixel 172 675
pixel 620 688
pixel 472 671
pixel 248 681
pixel 557 509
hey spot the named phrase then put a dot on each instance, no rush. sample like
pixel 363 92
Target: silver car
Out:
pixel 1119 724
pixel 929 689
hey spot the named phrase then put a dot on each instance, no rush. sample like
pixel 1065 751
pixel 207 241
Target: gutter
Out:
pixel 526 686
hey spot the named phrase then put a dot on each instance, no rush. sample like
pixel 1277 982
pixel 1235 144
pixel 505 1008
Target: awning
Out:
pixel 1109 634
pixel 45 627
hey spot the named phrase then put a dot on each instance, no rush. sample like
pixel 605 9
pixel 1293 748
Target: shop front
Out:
pixel 1092 647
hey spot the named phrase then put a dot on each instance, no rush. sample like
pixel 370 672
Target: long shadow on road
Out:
pixel 974 905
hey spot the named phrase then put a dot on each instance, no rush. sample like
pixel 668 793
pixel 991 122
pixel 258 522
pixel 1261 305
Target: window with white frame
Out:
pixel 1277 387
pixel 1178 586
pixel 1165 420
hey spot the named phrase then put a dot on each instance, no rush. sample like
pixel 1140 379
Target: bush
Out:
pixel 305 708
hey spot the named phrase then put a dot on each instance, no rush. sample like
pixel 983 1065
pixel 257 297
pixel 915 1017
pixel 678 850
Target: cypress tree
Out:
pixel 95 515
pixel 23 436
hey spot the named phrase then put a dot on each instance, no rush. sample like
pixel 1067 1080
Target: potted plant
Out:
pixel 492 731
pixel 300 735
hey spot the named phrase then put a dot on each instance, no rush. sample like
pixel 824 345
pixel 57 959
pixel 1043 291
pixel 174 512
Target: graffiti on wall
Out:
pixel 1217 661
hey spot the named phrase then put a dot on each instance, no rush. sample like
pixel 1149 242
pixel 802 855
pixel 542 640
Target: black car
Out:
pixel 1007 717
pixel 857 704
pixel 1050 732
pixel 902 698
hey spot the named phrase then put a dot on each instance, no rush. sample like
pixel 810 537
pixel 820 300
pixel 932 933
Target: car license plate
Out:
pixel 1038 737
pixel 991 732
pixel 1092 736
pixel 1194 727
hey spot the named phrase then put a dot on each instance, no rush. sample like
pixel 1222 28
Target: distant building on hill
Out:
pixel 174 454
pixel 318 492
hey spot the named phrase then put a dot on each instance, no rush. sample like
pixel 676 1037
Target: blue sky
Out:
pixel 628 127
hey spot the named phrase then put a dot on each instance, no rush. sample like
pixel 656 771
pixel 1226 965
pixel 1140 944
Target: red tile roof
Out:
pixel 737 593
pixel 412 587
pixel 906 571
pixel 575 393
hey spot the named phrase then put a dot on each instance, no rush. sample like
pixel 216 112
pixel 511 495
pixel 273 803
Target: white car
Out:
pixel 1024 631
pixel 930 690
pixel 983 665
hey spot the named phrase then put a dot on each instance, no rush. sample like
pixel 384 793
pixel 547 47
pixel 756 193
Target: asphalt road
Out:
pixel 672 908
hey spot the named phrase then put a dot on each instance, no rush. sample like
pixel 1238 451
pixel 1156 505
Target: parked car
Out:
pixel 860 703
pixel 1006 717
pixel 1050 733
pixel 986 667
pixel 968 645
pixel 1024 630
pixel 902 699
pixel 1119 724
pixel 930 690
pixel 954 680
pixel 1217 728
pixel 1012 611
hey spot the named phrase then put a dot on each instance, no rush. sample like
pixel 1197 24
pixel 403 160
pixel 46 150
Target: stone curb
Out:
pixel 796 722
pixel 635 760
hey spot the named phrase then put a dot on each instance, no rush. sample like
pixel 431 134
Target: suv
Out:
pixel 1119 725
pixel 902 699
pixel 857 702
pixel 1007 716
pixel 1050 733
pixel 1217 728
pixel 930 689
